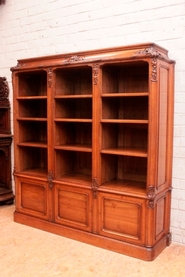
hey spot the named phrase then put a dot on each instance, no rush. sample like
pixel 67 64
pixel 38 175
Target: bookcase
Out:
pixel 6 193
pixel 93 146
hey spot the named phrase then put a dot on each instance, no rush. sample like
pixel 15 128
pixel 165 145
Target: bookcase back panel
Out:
pixel 32 83
pixel 73 81
pixel 127 77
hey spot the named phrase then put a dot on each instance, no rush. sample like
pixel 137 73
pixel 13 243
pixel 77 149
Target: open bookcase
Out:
pixel 93 146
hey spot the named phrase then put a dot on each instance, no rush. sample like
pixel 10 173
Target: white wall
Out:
pixel 44 27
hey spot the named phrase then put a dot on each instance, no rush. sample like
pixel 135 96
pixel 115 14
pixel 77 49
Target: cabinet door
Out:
pixel 73 206
pixel 32 197
pixel 122 217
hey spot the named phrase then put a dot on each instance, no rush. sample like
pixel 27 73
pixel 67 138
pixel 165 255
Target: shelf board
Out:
pixel 132 121
pixel 36 172
pixel 126 186
pixel 76 178
pixel 77 147
pixel 31 97
pixel 71 96
pixel 73 120
pixel 32 119
pixel 125 151
pixel 33 144
pixel 125 94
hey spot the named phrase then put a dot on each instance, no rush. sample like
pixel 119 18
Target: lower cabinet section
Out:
pixel 32 197
pixel 122 217
pixel 72 207
pixel 118 222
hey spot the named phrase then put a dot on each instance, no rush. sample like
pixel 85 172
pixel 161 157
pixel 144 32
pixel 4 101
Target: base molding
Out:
pixel 135 251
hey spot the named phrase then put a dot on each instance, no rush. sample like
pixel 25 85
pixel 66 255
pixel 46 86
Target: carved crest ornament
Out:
pixel 4 90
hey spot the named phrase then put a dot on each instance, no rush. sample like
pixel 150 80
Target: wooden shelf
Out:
pixel 76 178
pixel 128 186
pixel 33 144
pixel 125 94
pixel 32 119
pixel 34 172
pixel 35 97
pixel 126 152
pixel 73 96
pixel 73 120
pixel 129 121
pixel 81 148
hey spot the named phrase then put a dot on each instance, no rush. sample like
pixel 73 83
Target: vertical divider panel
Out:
pixel 96 138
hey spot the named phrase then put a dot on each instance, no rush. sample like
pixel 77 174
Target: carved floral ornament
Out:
pixel 4 90
pixel 154 54
pixel 74 58
pixel 151 196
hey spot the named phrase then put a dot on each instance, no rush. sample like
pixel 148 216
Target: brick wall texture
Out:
pixel 46 27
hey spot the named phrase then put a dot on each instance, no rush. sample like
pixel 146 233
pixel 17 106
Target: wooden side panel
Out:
pixel 32 197
pixel 122 217
pixel 160 217
pixel 163 119
pixel 73 207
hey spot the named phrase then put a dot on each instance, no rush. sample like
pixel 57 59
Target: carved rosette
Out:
pixel 49 77
pixel 74 58
pixel 95 73
pixel 50 179
pixel 95 187
pixel 151 197
pixel 4 90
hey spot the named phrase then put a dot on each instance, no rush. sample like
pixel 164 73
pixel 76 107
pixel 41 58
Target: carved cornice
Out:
pixel 74 58
pixel 95 187
pixel 151 196
pixel 95 73
pixel 50 73
pixel 4 90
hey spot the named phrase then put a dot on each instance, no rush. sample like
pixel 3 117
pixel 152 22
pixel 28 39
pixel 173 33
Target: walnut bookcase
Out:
pixel 93 146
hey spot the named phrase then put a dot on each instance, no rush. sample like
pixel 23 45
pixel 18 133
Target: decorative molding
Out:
pixel 154 54
pixel 95 187
pixel 74 58
pixel 5 139
pixel 4 90
pixel 50 73
pixel 50 179
pixel 150 51
pixel 154 70
pixel 95 73
pixel 151 197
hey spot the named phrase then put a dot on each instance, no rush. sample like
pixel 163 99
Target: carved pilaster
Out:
pixel 154 70
pixel 95 187
pixel 95 73
pixel 50 179
pixel 151 197
pixel 50 73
